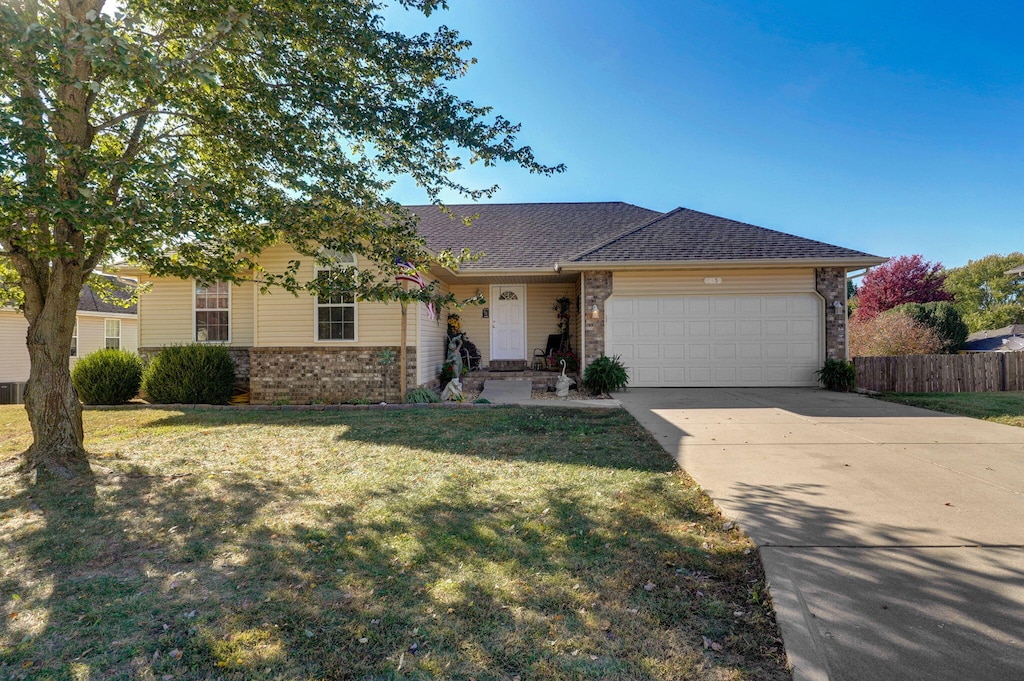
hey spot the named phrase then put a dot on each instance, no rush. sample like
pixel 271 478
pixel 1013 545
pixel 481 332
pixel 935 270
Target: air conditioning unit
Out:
pixel 12 393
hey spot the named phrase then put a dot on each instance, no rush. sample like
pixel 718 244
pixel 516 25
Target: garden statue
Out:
pixel 563 383
pixel 452 392
pixel 455 355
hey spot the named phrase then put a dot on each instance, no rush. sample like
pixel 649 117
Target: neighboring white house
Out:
pixel 99 325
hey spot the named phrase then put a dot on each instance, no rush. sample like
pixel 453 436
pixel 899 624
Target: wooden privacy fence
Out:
pixel 981 372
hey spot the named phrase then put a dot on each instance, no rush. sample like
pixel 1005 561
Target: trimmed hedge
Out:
pixel 190 374
pixel 107 376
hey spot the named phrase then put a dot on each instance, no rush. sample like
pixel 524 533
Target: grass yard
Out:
pixel 1007 407
pixel 504 543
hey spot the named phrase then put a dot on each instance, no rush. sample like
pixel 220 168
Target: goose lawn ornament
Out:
pixel 563 383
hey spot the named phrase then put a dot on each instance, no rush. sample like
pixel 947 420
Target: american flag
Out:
pixel 409 273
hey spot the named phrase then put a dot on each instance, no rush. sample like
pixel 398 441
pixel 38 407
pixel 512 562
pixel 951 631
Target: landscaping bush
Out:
pixel 421 396
pixel 605 375
pixel 892 333
pixel 837 374
pixel 944 318
pixel 107 377
pixel 572 362
pixel 190 374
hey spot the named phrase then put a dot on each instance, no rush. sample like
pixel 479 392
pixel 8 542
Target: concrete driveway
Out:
pixel 893 537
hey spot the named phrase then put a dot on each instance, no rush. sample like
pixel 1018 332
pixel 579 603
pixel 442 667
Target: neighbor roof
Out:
pixel 525 235
pixel 993 339
pixel 685 235
pixel 91 302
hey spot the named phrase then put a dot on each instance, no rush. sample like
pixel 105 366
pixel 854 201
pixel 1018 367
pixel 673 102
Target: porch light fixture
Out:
pixel 594 312
pixel 837 306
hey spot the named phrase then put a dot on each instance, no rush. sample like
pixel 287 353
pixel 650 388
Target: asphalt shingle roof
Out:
pixel 522 235
pixel 992 339
pixel 689 235
pixel 91 302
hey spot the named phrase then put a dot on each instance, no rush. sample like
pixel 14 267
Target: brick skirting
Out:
pixel 325 375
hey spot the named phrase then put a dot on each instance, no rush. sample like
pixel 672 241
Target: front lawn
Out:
pixel 1005 407
pixel 502 543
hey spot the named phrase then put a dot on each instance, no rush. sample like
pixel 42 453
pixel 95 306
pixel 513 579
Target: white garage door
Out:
pixel 717 341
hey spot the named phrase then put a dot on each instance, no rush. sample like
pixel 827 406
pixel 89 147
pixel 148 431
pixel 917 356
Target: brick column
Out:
pixel 830 282
pixel 597 286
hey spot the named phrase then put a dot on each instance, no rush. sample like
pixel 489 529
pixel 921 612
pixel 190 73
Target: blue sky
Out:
pixel 893 128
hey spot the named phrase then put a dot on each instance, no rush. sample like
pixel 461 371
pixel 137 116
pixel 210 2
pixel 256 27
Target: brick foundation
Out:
pixel 830 282
pixel 597 289
pixel 324 375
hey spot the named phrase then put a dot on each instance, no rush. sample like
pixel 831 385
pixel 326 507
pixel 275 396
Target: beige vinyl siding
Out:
pixel 476 328
pixel 13 353
pixel 166 311
pixel 14 362
pixel 241 314
pixel 541 319
pixel 431 347
pixel 692 282
pixel 288 321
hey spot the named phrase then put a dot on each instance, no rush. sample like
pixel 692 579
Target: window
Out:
pixel 112 334
pixel 74 341
pixel 336 313
pixel 212 309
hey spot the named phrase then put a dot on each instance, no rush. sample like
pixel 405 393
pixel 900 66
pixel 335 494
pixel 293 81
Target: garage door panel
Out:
pixel 673 307
pixel 736 340
pixel 672 329
pixel 698 329
pixel 645 329
pixel 698 351
pixel 648 352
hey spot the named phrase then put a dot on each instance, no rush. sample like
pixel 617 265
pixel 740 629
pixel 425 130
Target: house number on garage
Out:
pixel 712 280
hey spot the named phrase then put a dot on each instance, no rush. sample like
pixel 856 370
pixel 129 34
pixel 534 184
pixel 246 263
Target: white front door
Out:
pixel 508 322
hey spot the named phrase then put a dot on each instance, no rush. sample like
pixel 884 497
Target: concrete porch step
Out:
pixel 540 380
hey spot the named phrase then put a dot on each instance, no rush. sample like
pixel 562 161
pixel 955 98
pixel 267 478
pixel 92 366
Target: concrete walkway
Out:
pixel 893 537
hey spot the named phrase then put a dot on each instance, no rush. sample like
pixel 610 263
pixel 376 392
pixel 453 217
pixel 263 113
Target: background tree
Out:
pixel 892 332
pixel 906 279
pixel 190 136
pixel 985 295
pixel 943 318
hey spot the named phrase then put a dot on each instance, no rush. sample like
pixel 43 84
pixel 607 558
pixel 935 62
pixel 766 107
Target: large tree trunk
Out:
pixel 54 411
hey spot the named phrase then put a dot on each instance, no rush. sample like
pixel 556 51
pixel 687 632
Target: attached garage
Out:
pixel 693 341
pixel 698 329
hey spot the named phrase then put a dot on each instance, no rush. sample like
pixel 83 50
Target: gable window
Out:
pixel 212 312
pixel 112 334
pixel 336 313
pixel 74 341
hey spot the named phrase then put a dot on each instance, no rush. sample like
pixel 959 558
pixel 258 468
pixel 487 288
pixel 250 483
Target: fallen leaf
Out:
pixel 174 654
pixel 649 586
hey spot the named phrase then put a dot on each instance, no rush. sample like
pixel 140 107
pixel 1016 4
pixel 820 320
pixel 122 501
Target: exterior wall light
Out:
pixel 594 312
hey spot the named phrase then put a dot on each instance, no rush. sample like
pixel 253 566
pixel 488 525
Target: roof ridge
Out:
pixel 764 229
pixel 526 203
pixel 631 230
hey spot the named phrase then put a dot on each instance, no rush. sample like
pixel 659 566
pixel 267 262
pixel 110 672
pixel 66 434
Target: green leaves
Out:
pixel 185 137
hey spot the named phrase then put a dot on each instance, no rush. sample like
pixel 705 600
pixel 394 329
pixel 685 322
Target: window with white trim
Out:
pixel 74 341
pixel 112 334
pixel 336 313
pixel 212 312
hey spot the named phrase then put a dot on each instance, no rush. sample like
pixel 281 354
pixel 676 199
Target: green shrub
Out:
pixel 605 374
pixel 837 374
pixel 190 374
pixel 107 377
pixel 421 396
pixel 944 319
